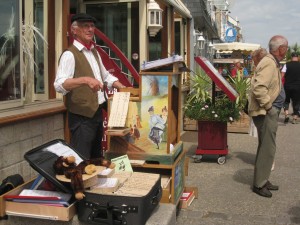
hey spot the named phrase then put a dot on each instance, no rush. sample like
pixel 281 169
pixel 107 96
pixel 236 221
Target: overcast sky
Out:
pixel 262 19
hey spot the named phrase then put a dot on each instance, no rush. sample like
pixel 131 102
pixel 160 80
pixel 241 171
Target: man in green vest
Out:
pixel 80 78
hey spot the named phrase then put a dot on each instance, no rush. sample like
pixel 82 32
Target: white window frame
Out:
pixel 29 19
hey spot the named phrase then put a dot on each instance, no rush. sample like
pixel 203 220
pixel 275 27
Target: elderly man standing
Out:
pixel 266 100
pixel 81 76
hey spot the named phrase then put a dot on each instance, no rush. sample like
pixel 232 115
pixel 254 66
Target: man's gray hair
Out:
pixel 276 41
pixel 74 24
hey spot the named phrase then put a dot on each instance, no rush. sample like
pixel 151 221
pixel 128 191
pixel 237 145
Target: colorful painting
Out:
pixel 148 119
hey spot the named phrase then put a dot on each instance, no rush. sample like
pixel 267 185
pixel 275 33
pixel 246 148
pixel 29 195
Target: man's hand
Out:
pixel 73 83
pixel 268 110
pixel 94 84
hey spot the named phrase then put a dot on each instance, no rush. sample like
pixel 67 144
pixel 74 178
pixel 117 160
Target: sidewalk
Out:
pixel 225 195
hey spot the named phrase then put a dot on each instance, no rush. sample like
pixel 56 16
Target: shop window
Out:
pixel 178 37
pixel 155 47
pixel 10 54
pixel 23 67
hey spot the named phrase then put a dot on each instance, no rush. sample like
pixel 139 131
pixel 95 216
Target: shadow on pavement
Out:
pixel 246 157
pixel 244 176
pixel 295 214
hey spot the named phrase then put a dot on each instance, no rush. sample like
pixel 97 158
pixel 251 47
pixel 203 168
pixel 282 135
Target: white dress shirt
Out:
pixel 66 70
pixel 283 69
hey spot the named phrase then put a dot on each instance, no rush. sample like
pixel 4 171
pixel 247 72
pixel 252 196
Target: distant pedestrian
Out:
pixel 238 69
pixel 265 102
pixel 291 74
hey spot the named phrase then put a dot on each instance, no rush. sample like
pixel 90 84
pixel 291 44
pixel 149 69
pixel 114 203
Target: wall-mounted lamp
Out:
pixel 154 18
pixel 201 41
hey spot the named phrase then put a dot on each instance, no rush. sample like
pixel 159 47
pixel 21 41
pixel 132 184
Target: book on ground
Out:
pixel 186 199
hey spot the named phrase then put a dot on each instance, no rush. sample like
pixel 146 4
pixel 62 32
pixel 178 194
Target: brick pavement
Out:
pixel 225 195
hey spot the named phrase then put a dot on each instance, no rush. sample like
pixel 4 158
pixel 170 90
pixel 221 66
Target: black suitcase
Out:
pixel 95 208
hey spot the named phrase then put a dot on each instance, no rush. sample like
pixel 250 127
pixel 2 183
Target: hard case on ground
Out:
pixel 96 208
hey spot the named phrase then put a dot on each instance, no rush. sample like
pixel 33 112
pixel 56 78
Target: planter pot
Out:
pixel 212 138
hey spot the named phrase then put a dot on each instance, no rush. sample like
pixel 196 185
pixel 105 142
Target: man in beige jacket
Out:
pixel 266 100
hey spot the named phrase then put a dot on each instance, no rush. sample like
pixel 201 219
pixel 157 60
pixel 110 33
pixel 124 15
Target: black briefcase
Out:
pixel 109 208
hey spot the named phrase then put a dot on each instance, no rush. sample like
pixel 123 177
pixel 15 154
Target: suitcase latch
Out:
pixel 128 209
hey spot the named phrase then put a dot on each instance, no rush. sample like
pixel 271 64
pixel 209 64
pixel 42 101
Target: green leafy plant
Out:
pixel 200 105
pixel 241 85
pixel 222 110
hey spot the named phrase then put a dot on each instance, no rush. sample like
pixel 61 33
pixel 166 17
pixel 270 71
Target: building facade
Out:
pixel 33 35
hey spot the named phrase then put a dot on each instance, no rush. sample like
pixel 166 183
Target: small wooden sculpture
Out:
pixel 67 166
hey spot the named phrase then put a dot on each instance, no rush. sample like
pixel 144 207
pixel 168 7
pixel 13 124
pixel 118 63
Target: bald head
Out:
pixel 276 41
pixel 278 46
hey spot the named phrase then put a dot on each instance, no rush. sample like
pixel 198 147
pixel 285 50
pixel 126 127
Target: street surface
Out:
pixel 225 194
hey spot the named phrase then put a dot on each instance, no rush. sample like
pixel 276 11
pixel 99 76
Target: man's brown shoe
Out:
pixel 263 191
pixel 271 186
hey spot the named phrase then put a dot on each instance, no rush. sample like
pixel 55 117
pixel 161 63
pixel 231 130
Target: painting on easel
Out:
pixel 148 119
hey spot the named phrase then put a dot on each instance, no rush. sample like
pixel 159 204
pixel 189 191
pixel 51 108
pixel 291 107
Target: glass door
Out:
pixel 119 22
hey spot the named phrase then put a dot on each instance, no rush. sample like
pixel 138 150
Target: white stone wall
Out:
pixel 18 138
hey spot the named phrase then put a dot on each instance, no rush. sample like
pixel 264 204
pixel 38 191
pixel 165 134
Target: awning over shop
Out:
pixel 226 61
pixel 179 7
pixel 236 46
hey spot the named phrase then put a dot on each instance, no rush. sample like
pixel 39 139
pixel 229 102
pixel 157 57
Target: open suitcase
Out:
pixel 96 208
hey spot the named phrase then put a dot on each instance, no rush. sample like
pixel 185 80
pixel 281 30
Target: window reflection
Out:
pixel 10 84
pixel 39 81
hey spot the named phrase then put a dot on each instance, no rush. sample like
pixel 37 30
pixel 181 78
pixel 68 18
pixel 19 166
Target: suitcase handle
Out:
pixel 115 215
pixel 155 200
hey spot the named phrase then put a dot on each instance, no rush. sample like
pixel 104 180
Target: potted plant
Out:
pixel 242 86
pixel 201 106
pixel 212 115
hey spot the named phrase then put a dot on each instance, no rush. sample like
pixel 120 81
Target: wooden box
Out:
pixel 190 125
pixel 240 126
pixel 176 172
pixel 166 189
pixel 36 210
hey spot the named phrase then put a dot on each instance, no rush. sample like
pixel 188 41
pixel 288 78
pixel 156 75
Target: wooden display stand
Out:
pixel 153 116
pixel 175 172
